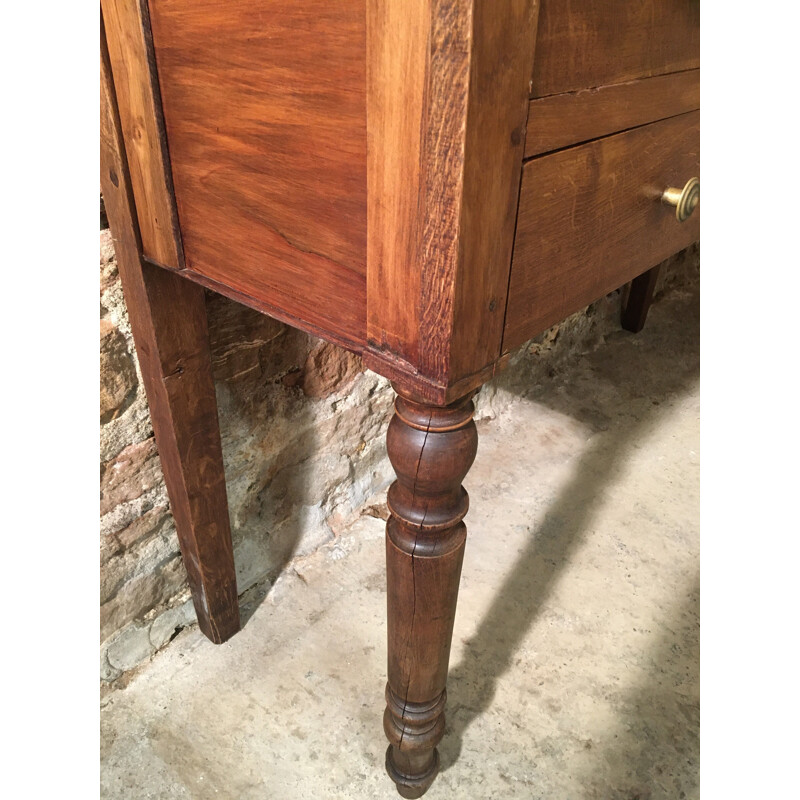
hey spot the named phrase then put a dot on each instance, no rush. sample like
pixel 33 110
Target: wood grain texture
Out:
pixel 447 86
pixel 588 43
pixel 561 120
pixel 503 40
pixel 130 55
pixel 265 112
pixel 168 321
pixel 590 219
pixel 396 79
pixel 431 449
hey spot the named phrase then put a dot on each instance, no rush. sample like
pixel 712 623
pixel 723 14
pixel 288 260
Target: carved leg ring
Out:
pixel 431 449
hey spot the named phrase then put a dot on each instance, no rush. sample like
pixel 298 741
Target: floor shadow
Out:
pixel 654 750
pixel 622 390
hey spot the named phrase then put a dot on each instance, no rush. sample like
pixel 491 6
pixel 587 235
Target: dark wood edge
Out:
pixel 265 308
pixel 424 389
pixel 161 128
pixel 384 363
pixel 682 89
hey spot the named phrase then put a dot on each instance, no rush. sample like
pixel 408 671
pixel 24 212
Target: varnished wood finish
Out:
pixel 447 87
pixel 561 120
pixel 356 169
pixel 640 297
pixel 590 219
pixel 168 321
pixel 431 449
pixel 130 54
pixel 588 43
pixel 265 112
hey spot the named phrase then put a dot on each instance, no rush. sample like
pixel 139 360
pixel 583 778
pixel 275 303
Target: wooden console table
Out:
pixel 429 183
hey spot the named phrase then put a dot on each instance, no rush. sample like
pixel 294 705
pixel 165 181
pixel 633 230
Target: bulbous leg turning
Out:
pixel 431 449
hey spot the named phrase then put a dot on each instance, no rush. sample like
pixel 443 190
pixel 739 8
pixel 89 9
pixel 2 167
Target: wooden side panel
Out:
pixel 587 43
pixel 265 109
pixel 140 116
pixel 446 108
pixel 561 120
pixel 591 219
pixel 168 320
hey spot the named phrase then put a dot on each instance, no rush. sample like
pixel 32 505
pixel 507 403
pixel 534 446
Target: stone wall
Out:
pixel 302 428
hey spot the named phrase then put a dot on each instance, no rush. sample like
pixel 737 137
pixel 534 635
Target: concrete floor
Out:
pixel 574 670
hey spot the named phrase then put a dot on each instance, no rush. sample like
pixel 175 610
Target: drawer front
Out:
pixel 587 43
pixel 590 219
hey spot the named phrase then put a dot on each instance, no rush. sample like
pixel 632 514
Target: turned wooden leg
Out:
pixel 431 449
pixel 168 321
pixel 639 299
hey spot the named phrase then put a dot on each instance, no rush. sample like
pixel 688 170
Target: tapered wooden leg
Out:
pixel 639 299
pixel 431 449
pixel 168 321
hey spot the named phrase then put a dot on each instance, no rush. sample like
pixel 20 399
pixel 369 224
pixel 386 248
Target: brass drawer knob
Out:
pixel 685 200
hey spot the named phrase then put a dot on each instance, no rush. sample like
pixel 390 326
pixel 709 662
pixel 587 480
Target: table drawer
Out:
pixel 590 219
pixel 587 43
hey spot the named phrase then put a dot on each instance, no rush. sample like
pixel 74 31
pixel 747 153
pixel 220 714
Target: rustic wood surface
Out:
pixel 640 297
pixel 130 53
pixel 590 219
pixel 168 322
pixel 265 110
pixel 561 120
pixel 431 449
pixel 447 88
pixel 503 42
pixel 587 43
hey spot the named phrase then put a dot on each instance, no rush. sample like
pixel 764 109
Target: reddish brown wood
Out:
pixel 588 43
pixel 447 88
pixel 265 111
pixel 561 120
pixel 590 219
pixel 640 297
pixel 354 169
pixel 131 60
pixel 168 321
pixel 431 449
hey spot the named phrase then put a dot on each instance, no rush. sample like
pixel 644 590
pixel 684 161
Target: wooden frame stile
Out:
pixel 132 63
pixel 168 320
pixel 448 84
pixel 447 100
